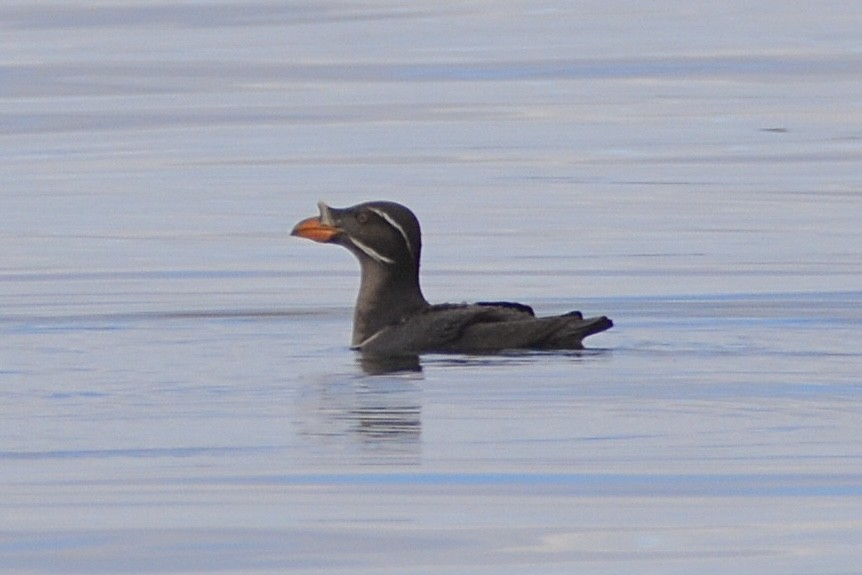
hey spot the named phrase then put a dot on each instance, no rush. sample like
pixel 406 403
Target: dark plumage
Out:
pixel 392 316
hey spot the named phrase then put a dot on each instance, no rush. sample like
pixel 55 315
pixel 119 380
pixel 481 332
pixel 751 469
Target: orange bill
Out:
pixel 314 229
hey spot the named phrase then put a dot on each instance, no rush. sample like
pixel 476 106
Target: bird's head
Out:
pixel 383 233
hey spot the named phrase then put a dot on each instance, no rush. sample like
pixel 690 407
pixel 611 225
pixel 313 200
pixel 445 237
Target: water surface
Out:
pixel 176 391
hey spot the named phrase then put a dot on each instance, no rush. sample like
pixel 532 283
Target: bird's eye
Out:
pixel 362 217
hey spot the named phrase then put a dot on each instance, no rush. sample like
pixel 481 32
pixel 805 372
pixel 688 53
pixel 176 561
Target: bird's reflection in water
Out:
pixel 384 364
pixel 387 416
pixel 373 419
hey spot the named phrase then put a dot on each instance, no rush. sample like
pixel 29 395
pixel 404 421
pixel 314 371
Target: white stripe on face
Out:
pixel 374 255
pixel 391 221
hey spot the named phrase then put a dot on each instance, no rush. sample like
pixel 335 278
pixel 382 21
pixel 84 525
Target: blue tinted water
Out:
pixel 176 390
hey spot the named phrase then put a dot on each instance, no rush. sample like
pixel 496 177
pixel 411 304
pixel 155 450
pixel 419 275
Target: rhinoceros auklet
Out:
pixel 393 318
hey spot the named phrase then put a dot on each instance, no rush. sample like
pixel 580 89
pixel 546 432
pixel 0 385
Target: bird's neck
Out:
pixel 385 298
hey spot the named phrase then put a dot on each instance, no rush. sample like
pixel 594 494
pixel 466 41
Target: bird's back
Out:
pixel 487 327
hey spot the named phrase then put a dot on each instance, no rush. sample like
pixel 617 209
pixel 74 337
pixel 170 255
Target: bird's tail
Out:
pixel 571 333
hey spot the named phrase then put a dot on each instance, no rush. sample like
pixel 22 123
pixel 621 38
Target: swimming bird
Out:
pixel 393 318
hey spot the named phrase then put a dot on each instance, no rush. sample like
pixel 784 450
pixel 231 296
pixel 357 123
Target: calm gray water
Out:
pixel 176 391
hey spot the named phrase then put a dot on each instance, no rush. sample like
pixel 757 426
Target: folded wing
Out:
pixel 483 328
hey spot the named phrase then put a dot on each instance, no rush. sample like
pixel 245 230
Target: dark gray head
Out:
pixel 385 236
pixel 383 233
